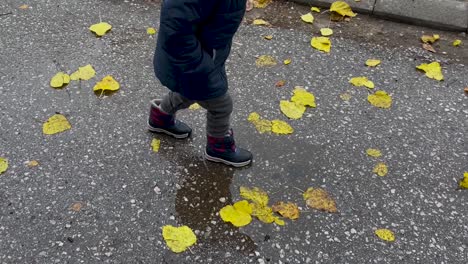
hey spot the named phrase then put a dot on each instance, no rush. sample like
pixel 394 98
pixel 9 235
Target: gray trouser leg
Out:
pixel 174 102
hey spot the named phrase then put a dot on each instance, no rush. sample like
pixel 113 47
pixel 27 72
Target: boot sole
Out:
pixel 160 130
pixel 234 164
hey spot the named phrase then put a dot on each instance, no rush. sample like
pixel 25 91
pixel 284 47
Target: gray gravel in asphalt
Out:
pixel 129 193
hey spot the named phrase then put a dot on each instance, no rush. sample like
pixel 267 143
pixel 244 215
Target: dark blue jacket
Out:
pixel 194 41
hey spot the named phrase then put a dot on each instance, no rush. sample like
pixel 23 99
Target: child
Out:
pixel 194 41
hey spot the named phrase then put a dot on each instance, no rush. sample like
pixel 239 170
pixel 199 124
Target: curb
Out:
pixel 440 14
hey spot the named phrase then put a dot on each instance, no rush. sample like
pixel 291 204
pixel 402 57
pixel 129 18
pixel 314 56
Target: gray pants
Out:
pixel 218 115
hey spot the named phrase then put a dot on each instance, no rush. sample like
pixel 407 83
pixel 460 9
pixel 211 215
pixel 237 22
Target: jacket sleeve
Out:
pixel 179 20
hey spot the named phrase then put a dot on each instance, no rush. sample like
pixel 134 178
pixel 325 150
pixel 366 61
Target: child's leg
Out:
pixel 174 102
pixel 218 115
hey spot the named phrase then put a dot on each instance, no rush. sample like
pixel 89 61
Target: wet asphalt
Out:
pixel 128 193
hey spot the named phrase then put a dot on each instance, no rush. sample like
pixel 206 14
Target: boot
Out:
pixel 161 122
pixel 224 150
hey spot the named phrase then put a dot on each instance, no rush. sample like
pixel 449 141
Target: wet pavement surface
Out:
pixel 128 193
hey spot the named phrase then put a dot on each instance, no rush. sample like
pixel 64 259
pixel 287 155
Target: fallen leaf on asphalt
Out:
pixel 60 80
pixel 83 73
pixel 308 18
pixel 261 3
pixel 291 109
pixel 265 61
pixel 303 97
pixel 76 207
pixel 268 37
pixel 428 47
pixel 374 153
pixel 194 106
pixel 345 96
pixel 372 62
pixel 178 239
pixel 380 169
pixel 430 39
pixel 463 182
pixel 466 89
pixel 3 165
pixel 23 7
pixel 33 163
pixel 262 125
pixel 287 61
pixel 280 83
pixel 362 81
pixel 238 214
pixel 433 70
pixel 315 9
pixel 255 194
pixel 321 43
pixel 288 210
pixel 56 124
pixel 260 208
pixel 281 127
pixel 319 199
pixel 385 234
pixel 100 29
pixel 326 32
pixel 342 8
pixel 380 99
pixel 151 31
pixel 261 22
pixel 155 144
pixel 107 84
pixel 457 43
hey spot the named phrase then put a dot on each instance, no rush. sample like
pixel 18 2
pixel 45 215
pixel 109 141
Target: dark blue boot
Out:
pixel 161 122
pixel 224 150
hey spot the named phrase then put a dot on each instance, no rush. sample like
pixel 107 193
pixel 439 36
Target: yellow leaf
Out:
pixel 315 9
pixel 362 81
pixel 261 3
pixel 374 153
pixel 319 199
pixel 155 144
pixel 280 127
pixel 303 97
pixel 23 7
pixel 372 62
pixel 151 31
pixel 178 239
pixel 59 80
pixel 380 169
pixel 254 116
pixel 380 99
pixel 3 165
pixel 321 43
pixel 433 70
pixel 261 125
pixel 194 106
pixel 107 84
pixel 342 8
pixel 83 73
pixel 345 96
pixel 259 205
pixel 268 37
pixel 326 32
pixel 308 18
pixel 256 195
pixel 287 61
pixel 292 110
pixel 430 39
pixel 239 214
pixel 261 22
pixel 265 60
pixel 457 43
pixel 33 163
pixel 55 124
pixel 100 29
pixel 463 182
pixel 288 210
pixel 385 234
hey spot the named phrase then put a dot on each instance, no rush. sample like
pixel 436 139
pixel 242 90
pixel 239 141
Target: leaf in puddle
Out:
pixel 319 199
pixel 3 165
pixel 464 182
pixel 55 124
pixel 321 43
pixel 430 39
pixel 108 83
pixel 380 169
pixel 372 62
pixel 303 97
pixel 342 8
pixel 100 29
pixel 308 18
pixel 315 9
pixel 457 43
pixel 362 81
pixel 83 73
pixel 60 80
pixel 428 47
pixel 291 109
pixel 255 194
pixel 194 106
pixel 326 32
pixel 260 22
pixel 155 144
pixel 280 127
pixel 178 239
pixel 238 214
pixel 385 234
pixel 380 99
pixel 265 61
pixel 150 31
pixel 287 210
pixel 433 70
pixel 373 153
